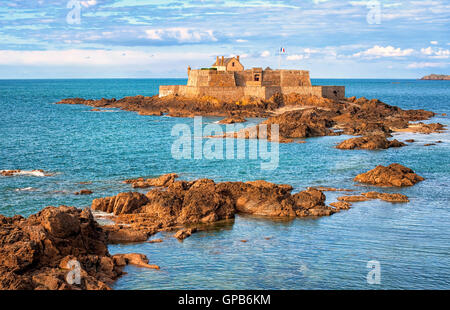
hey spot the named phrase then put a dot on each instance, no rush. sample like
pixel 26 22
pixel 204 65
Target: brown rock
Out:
pixel 118 234
pixel 304 116
pixel 392 175
pixel 374 142
pixel 155 241
pixel 135 259
pixel 203 201
pixel 184 233
pixel 341 205
pixel 84 192
pixel 232 120
pixel 396 197
pixel 161 181
pixel 123 203
pixel 35 252
pixel 355 198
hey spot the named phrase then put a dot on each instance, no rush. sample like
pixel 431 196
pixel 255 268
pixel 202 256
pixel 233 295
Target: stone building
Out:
pixel 227 80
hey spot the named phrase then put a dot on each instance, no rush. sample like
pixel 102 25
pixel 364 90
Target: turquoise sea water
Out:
pixel 411 241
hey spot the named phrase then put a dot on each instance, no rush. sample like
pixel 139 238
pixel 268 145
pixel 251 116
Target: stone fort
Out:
pixel 227 80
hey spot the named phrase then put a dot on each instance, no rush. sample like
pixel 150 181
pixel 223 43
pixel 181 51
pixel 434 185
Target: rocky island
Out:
pixel 436 77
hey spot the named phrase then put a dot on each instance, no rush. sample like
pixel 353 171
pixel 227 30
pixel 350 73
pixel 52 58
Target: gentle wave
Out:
pixel 36 173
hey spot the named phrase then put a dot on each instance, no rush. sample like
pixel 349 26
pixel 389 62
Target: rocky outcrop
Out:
pixel 390 197
pixel 123 203
pixel 373 142
pixel 341 205
pixel 423 128
pixel 84 192
pixel 188 203
pixel 352 198
pixel 297 116
pixel 436 77
pixel 232 120
pixel 135 259
pixel 184 233
pixel 392 175
pixel 39 252
pixel 161 181
pixel 119 234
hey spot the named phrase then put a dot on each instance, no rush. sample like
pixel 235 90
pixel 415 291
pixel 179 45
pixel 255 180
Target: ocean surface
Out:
pixel 410 241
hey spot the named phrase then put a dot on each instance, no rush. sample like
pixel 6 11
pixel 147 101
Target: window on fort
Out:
pixel 257 77
pixel 232 64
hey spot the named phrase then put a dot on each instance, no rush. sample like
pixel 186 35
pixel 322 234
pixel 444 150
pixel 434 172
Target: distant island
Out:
pixel 436 77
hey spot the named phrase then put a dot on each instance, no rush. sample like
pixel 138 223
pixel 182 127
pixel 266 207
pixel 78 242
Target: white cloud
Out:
pixel 420 65
pixel 88 3
pixel 434 42
pixel 180 35
pixel 427 51
pixel 388 51
pixel 435 53
pixel 265 54
pixel 241 41
pixel 296 57
pixel 93 57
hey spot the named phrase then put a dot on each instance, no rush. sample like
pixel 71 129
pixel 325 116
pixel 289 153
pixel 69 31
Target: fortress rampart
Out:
pixel 228 81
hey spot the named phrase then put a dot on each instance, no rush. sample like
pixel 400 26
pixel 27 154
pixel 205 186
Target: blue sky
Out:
pixel 156 38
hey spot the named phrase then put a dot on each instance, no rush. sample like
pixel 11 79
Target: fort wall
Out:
pixel 255 82
pixel 235 93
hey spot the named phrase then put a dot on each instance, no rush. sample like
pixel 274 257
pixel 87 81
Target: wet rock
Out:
pixel 392 175
pixel 123 203
pixel 353 198
pixel 304 116
pixel 429 144
pixel 84 192
pixel 232 120
pixel 161 181
pixel 135 259
pixel 410 140
pixel 203 201
pixel 424 128
pixel 118 234
pixel 155 241
pixel 184 233
pixel 341 205
pixel 374 142
pixel 35 252
pixel 395 197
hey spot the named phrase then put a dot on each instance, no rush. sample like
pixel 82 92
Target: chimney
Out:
pixel 189 69
pixel 217 60
pixel 237 57
pixel 223 60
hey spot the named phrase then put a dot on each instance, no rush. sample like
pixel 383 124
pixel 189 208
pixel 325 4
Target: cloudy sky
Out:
pixel 157 38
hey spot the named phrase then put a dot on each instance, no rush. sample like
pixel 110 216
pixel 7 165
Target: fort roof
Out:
pixel 225 62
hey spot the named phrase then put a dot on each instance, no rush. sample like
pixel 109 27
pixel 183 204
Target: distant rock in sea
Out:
pixel 436 77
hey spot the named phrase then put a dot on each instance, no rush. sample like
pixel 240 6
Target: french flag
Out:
pixel 282 50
